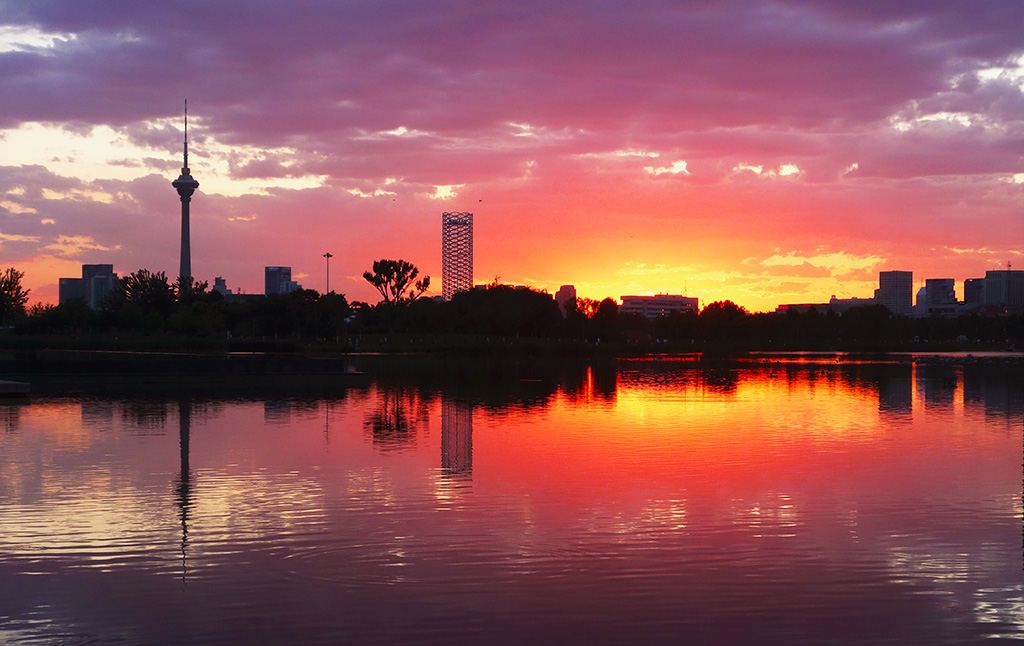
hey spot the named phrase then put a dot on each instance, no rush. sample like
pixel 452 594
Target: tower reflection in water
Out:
pixel 456 440
pixel 183 487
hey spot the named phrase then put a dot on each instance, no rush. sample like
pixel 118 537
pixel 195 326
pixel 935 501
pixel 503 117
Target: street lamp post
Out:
pixel 328 256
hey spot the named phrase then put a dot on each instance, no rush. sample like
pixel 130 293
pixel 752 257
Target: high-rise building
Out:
pixel 96 283
pixel 974 292
pixel 456 253
pixel 185 186
pixel 896 291
pixel 1005 288
pixel 278 280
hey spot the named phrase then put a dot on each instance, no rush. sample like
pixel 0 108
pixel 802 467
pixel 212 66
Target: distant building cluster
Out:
pixel 1000 291
pixel 98 281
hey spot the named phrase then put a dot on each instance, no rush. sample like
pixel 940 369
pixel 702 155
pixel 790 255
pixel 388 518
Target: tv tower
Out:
pixel 185 186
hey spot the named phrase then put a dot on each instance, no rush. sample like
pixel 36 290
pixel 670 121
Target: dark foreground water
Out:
pixel 647 502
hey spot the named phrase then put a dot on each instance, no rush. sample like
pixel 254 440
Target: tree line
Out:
pixel 146 304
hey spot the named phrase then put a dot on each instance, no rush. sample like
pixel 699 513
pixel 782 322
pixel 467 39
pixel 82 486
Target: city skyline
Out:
pixel 759 152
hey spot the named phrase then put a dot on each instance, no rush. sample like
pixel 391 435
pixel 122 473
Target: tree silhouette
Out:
pixel 188 289
pixel 12 295
pixel 150 291
pixel 394 278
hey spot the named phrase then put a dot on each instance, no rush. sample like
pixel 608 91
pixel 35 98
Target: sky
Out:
pixel 762 152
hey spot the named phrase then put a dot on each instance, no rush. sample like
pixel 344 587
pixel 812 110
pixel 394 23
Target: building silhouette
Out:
pixel 566 297
pixel 896 291
pixel 96 283
pixel 185 186
pixel 221 286
pixel 456 253
pixel 278 280
pixel 938 298
pixel 837 305
pixel 654 306
pixel 1005 288
pixel 974 293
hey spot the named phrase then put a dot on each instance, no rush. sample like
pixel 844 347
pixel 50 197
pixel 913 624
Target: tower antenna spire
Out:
pixel 185 166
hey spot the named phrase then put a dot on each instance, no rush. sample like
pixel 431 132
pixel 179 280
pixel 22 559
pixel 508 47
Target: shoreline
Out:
pixel 16 365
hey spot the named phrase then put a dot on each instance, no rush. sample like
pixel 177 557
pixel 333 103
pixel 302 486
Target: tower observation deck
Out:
pixel 456 253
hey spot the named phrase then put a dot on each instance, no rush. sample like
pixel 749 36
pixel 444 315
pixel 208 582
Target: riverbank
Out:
pixel 19 365
pixel 466 345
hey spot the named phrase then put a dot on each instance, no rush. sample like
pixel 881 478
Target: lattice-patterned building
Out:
pixel 456 253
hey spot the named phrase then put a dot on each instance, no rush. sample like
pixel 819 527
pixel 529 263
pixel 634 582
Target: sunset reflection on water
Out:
pixel 787 501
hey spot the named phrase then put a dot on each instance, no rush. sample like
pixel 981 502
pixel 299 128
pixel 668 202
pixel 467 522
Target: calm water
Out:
pixel 646 502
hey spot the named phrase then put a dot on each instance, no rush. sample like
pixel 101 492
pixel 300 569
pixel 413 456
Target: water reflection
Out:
pixel 98 415
pixel 397 418
pixel 144 416
pixel 653 501
pixel 9 417
pixel 456 440
pixel 896 391
pixel 184 481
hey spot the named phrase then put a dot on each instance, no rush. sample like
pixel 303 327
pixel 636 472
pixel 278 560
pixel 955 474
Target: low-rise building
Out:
pixel 658 305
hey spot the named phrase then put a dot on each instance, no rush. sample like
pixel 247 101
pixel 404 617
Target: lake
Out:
pixel 795 500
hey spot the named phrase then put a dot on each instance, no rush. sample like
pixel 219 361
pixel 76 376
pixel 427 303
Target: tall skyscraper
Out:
pixel 185 186
pixel 896 291
pixel 456 253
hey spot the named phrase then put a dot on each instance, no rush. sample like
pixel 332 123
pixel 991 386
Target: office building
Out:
pixel 937 298
pixel 660 305
pixel 1005 288
pixel 896 291
pixel 456 253
pixel 92 288
pixel 974 293
pixel 278 280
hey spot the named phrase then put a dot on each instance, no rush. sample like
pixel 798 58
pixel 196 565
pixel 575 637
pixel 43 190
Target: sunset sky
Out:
pixel 764 152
